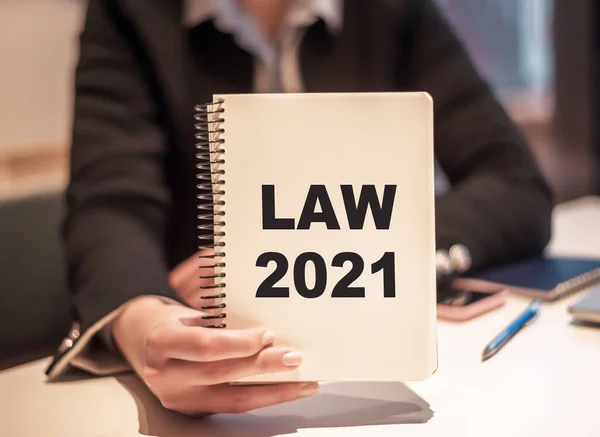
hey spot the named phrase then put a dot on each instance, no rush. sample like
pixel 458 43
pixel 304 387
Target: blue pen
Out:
pixel 527 317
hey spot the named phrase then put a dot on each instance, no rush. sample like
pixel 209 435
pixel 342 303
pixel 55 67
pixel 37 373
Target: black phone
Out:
pixel 459 302
pixel 457 297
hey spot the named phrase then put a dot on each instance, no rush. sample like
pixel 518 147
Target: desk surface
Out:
pixel 544 383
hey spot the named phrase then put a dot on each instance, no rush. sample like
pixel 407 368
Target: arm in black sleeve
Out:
pixel 118 199
pixel 499 205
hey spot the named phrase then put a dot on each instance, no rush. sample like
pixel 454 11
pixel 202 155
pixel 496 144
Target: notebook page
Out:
pixel 321 272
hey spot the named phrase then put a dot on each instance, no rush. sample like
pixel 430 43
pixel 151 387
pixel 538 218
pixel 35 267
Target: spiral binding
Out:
pixel 210 149
pixel 573 285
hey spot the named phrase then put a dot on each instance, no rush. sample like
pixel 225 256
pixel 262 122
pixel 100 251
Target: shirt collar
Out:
pixel 227 12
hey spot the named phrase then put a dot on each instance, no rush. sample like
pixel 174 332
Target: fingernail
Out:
pixel 309 389
pixel 268 338
pixel 292 359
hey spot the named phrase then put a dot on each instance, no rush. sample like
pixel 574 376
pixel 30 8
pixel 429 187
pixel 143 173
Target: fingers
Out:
pixel 240 399
pixel 225 398
pixel 192 343
pixel 191 292
pixel 187 268
pixel 187 278
pixel 270 360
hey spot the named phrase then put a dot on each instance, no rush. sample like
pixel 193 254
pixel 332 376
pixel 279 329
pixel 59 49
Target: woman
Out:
pixel 130 233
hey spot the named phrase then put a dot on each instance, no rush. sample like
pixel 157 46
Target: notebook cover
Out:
pixel 280 148
pixel 541 273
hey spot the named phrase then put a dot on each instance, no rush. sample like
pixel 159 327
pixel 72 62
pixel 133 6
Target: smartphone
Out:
pixel 458 303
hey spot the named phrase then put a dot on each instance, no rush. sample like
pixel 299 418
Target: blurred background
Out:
pixel 539 55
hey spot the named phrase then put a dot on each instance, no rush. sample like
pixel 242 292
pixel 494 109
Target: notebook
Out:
pixel 324 228
pixel 587 308
pixel 543 277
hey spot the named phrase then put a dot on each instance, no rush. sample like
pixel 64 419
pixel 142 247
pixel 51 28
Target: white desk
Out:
pixel 546 383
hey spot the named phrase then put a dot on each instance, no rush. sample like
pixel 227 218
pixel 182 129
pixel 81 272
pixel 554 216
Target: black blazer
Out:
pixel 131 197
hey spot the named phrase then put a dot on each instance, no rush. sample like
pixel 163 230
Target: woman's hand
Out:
pixel 188 366
pixel 186 280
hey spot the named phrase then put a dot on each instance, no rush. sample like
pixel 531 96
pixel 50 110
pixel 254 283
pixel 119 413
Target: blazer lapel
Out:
pixel 159 29
pixel 189 65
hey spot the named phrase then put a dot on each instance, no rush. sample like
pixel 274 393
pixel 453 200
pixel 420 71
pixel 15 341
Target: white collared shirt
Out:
pixel 277 68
